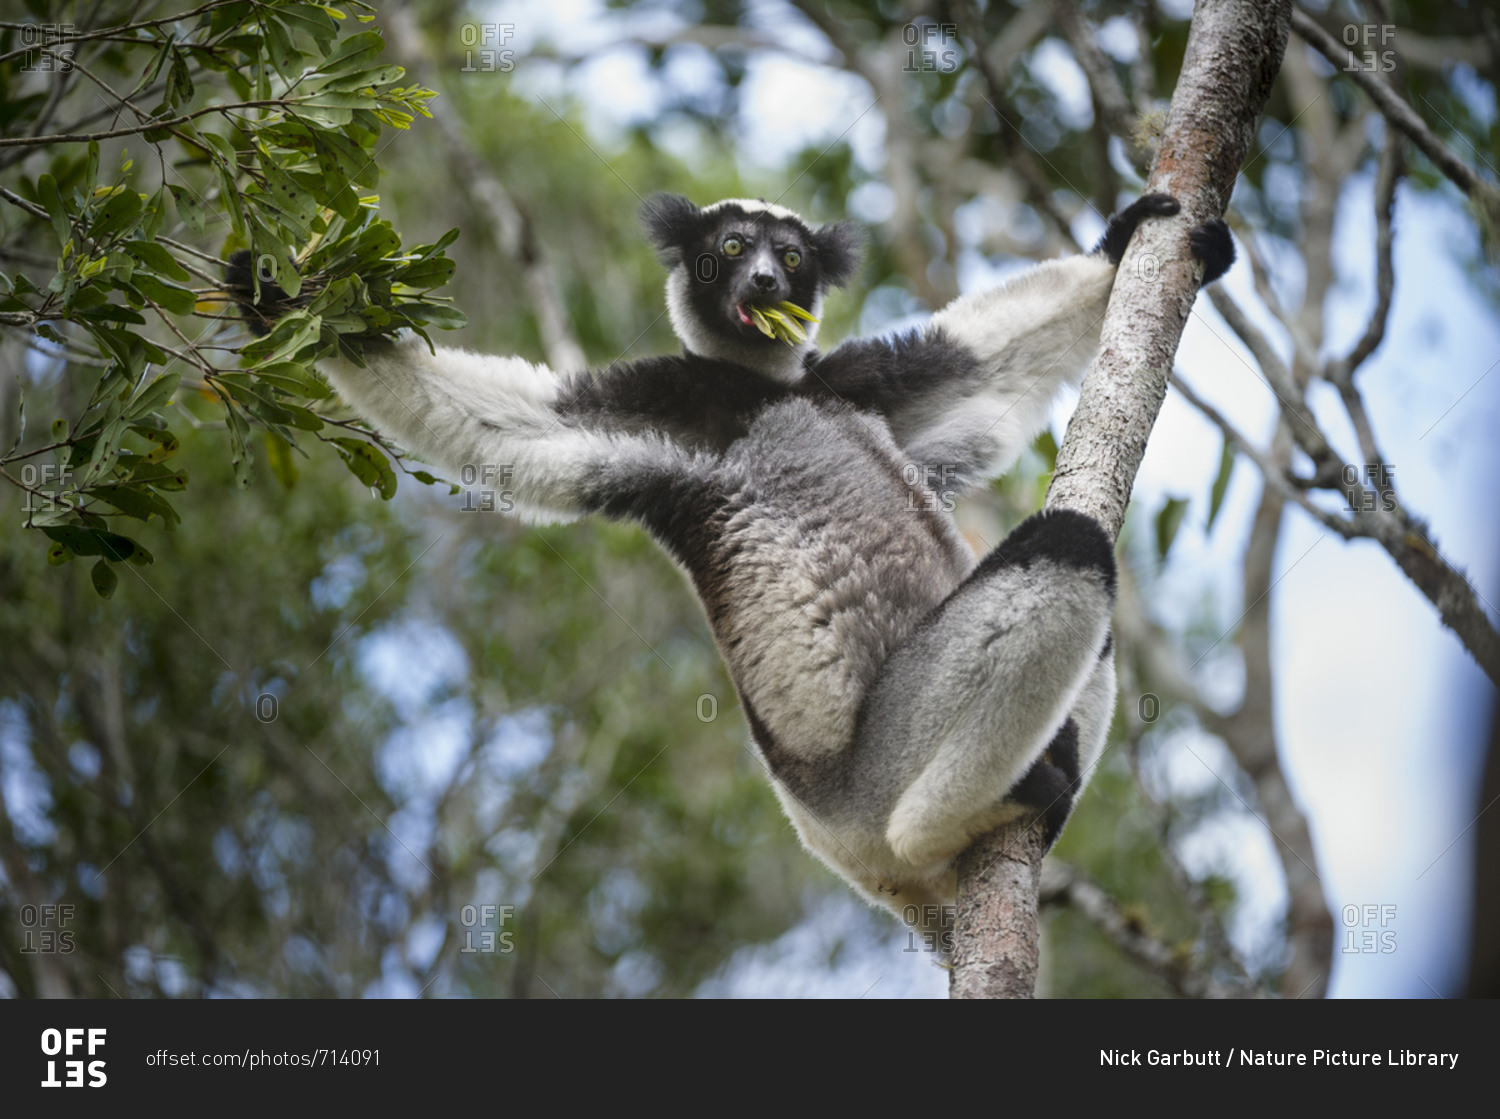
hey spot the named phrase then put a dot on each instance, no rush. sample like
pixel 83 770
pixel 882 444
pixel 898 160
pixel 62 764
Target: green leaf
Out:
pixel 369 464
pixel 285 193
pixel 153 68
pixel 180 301
pixel 310 19
pixel 354 52
pixel 285 57
pixel 341 160
pixel 365 79
pixel 1168 521
pixel 105 579
pixel 179 87
pixel 239 442
pixel 156 210
pixel 438 314
pixel 46 189
pixel 120 212
pixel 292 333
pixel 153 396
pixel 268 244
pixel 424 252
pixel 229 191
pixel 157 258
pixel 82 541
pixel 136 500
pixel 193 215
pixel 291 377
pixel 91 168
pixel 279 459
pixel 1221 482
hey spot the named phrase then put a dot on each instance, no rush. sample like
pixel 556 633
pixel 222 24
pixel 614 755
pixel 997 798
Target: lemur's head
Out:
pixel 737 256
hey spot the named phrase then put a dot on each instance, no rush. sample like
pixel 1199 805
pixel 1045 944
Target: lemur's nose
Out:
pixel 764 280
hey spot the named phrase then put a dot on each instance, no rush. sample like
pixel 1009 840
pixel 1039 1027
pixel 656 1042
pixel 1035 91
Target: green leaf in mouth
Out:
pixel 782 320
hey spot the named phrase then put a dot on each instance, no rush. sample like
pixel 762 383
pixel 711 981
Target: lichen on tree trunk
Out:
pixel 1234 50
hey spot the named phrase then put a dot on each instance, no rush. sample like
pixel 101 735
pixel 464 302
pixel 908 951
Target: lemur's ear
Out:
pixel 672 222
pixel 840 246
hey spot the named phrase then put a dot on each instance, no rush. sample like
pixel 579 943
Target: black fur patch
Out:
pixel 701 404
pixel 840 246
pixel 1212 244
pixel 239 281
pixel 1120 226
pixel 1062 535
pixel 1051 784
pixel 1109 645
pixel 884 374
pixel 673 223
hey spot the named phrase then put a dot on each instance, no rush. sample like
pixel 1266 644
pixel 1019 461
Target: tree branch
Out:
pixel 1234 50
pixel 1063 885
pixel 1389 102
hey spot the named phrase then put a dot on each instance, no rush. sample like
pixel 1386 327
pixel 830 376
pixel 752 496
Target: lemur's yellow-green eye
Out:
pixel 733 246
pixel 791 258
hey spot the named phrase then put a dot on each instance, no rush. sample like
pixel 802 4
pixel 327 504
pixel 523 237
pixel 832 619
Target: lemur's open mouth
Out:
pixel 777 320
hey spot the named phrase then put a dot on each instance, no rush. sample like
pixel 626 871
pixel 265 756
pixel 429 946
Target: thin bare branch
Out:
pixel 1389 102
pixel 1063 885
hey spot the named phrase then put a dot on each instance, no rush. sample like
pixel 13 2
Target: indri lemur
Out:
pixel 905 698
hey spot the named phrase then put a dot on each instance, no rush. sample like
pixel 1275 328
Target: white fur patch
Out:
pixel 757 206
pixel 460 409
pixel 781 362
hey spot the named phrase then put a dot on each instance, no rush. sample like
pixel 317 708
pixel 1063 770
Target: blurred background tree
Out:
pixel 307 750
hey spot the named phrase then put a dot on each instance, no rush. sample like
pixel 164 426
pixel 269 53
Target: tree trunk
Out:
pixel 1234 50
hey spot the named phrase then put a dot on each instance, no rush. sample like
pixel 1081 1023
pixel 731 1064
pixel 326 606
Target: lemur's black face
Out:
pixel 737 258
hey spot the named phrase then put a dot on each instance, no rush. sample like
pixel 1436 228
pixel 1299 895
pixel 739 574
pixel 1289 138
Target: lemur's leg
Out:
pixel 960 711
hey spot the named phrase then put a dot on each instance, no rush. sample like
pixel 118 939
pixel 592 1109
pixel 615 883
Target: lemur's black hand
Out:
pixel 1122 225
pixel 239 283
pixel 1212 244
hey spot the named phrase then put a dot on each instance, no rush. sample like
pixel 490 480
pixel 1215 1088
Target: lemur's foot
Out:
pixel 1212 244
pixel 1051 784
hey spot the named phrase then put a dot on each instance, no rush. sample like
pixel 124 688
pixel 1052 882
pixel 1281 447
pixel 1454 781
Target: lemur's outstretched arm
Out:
pixel 456 408
pixel 968 392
